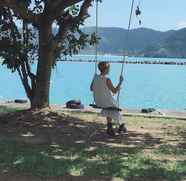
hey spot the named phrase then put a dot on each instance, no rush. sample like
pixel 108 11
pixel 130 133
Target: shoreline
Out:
pixel 158 113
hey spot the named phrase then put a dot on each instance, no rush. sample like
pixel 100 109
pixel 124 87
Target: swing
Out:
pixel 106 108
pixel 138 12
pixel 116 108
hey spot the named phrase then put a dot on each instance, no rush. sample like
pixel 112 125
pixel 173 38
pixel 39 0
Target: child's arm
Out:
pixel 91 86
pixel 92 83
pixel 113 89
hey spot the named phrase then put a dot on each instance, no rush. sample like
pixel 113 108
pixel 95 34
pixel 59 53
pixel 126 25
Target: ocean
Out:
pixel 156 86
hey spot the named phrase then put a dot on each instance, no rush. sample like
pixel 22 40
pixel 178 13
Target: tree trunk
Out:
pixel 40 98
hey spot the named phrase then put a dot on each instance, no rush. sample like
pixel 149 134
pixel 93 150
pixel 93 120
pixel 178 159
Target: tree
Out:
pixel 27 35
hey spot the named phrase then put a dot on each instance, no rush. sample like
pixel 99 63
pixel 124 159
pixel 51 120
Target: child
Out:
pixel 103 88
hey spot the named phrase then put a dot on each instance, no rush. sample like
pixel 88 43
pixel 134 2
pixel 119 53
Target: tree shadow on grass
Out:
pixel 182 134
pixel 46 144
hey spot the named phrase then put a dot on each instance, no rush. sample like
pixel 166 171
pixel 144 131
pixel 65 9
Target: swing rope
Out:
pixel 124 50
pixel 96 45
pixel 125 47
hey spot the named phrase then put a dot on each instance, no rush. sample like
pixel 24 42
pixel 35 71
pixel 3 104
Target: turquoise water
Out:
pixel 157 86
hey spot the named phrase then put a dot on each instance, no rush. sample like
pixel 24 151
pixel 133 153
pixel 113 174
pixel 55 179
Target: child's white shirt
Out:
pixel 103 98
pixel 102 95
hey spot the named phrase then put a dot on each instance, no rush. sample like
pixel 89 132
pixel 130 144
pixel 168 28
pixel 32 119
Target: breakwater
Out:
pixel 155 62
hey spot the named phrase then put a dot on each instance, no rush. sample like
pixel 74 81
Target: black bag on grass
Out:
pixel 74 104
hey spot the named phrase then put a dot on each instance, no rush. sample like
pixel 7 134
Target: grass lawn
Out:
pixel 52 144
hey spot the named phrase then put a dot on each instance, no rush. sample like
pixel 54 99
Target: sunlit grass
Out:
pixel 4 109
pixel 47 160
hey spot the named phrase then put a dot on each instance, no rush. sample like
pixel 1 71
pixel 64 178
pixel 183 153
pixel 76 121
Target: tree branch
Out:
pixel 62 4
pixel 59 6
pixel 31 76
pixel 23 12
pixel 5 45
pixel 83 14
pixel 23 76
pixel 69 21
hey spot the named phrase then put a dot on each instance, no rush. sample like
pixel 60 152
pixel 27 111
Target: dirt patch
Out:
pixel 41 127
pixel 50 127
pixel 47 127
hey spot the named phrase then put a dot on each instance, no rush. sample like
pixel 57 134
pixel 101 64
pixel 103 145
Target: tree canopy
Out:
pixel 41 31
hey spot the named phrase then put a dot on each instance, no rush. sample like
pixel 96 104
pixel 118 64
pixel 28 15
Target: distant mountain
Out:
pixel 172 46
pixel 141 42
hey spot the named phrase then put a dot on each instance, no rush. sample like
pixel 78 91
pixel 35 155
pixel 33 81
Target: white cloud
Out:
pixel 181 24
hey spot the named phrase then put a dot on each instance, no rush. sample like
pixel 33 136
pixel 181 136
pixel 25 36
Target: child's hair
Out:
pixel 103 66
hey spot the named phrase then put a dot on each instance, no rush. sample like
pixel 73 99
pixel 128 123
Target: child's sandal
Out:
pixel 122 129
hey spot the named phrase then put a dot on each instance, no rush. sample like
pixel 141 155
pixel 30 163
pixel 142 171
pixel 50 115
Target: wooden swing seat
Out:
pixel 106 108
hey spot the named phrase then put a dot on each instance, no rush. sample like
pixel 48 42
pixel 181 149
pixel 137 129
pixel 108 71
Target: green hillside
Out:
pixel 141 42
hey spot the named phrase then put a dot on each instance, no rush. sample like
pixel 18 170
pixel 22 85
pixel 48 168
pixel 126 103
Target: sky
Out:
pixel 160 15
